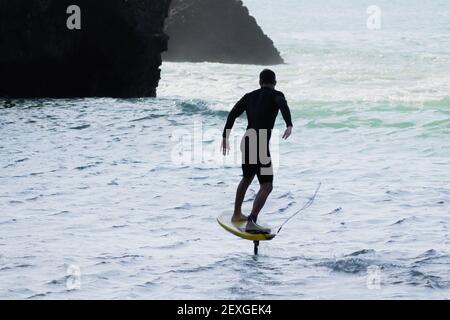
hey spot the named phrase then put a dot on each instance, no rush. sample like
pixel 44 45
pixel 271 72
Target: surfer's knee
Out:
pixel 247 180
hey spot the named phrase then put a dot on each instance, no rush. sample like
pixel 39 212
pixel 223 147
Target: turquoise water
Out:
pixel 128 190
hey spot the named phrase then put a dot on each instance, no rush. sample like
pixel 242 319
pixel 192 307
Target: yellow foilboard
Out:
pixel 238 229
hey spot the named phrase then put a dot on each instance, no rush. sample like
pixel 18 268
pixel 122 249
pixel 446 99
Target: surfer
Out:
pixel 262 107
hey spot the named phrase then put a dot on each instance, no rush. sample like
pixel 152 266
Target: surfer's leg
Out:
pixel 240 195
pixel 265 178
pixel 263 193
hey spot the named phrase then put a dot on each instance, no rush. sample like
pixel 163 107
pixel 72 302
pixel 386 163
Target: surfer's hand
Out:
pixel 287 133
pixel 225 146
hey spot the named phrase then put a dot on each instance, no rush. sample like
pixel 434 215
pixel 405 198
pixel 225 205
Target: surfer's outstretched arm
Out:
pixel 286 113
pixel 236 112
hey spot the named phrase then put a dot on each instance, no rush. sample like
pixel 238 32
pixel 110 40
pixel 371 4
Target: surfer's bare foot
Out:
pixel 255 228
pixel 239 218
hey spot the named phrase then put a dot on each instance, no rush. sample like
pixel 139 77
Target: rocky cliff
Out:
pixel 117 51
pixel 217 31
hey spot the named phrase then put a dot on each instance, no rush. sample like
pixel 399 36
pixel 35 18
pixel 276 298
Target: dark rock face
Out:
pixel 116 53
pixel 217 31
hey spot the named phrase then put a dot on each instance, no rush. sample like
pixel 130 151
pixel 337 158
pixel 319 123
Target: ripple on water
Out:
pixel 15 266
pixel 80 127
pixel 353 263
pixel 349 265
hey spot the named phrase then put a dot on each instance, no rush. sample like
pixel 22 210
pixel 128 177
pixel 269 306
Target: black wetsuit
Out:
pixel 261 107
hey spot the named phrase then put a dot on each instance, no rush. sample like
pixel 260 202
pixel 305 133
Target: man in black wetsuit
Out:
pixel 262 107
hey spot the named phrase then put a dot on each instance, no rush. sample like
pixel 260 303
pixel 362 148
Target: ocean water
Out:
pixel 108 198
